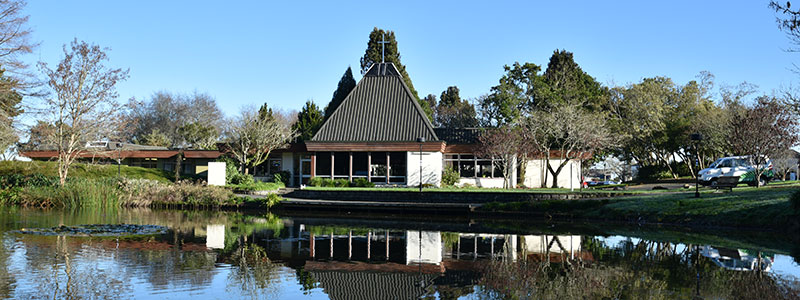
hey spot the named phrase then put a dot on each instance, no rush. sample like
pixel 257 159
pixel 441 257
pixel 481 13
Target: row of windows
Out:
pixel 470 166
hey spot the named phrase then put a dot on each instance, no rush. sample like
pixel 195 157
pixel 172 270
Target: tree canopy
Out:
pixel 309 120
pixel 346 84
pixel 391 54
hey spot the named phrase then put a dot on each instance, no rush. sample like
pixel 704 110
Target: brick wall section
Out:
pixel 444 197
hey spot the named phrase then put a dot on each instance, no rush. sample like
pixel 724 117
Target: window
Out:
pixel 274 166
pixel 360 164
pixel 485 168
pixel 725 164
pixel 397 167
pixel 468 166
pixel 323 165
pixel 341 164
pixel 378 166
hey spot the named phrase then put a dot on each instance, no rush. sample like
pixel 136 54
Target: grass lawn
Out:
pixel 765 207
pixel 49 168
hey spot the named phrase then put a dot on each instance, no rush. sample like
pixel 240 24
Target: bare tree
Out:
pixel 763 130
pixel 785 162
pixel 254 134
pixel 15 42
pixel 571 133
pixel 82 106
pixel 507 144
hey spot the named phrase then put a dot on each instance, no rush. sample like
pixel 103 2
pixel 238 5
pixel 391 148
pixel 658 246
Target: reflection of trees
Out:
pixel 73 274
pixel 7 279
pixel 253 273
pixel 633 270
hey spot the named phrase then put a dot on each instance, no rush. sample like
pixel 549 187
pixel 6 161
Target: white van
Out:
pixel 733 166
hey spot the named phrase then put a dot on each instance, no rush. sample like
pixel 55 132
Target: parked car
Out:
pixel 734 166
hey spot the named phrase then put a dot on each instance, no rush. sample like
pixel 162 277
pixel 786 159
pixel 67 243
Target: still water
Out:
pixel 232 255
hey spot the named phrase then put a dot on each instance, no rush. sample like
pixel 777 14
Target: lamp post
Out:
pixel 696 137
pixel 119 159
pixel 420 140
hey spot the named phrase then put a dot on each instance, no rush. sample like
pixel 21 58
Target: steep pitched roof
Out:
pixel 380 108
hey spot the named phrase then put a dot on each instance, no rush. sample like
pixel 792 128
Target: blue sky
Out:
pixel 251 52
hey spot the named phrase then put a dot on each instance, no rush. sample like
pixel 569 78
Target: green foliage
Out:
pixel 361 182
pixel 155 138
pixel 231 168
pixel 309 120
pixel 450 176
pixel 346 84
pixel 272 199
pixel 568 84
pixel 341 183
pixel 199 135
pixel 514 95
pixel 321 182
pixel 49 169
pixel 257 186
pixel 452 112
pixel 8 181
pixel 283 177
pixel 242 179
pixel 373 55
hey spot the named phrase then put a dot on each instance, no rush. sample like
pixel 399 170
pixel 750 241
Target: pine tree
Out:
pixel 309 120
pixel 346 84
pixel 373 55
pixel 452 112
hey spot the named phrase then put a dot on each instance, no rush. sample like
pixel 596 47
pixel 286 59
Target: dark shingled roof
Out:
pixel 369 285
pixel 380 108
pixel 459 135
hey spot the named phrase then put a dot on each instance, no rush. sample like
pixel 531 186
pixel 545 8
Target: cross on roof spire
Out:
pixel 383 43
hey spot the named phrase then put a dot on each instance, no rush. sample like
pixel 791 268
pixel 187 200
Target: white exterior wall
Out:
pixel 216 173
pixel 431 168
pixel 535 170
pixel 539 243
pixel 287 161
pixel 423 247
pixel 482 182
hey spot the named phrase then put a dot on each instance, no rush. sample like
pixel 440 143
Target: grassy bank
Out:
pixel 767 207
pixel 78 170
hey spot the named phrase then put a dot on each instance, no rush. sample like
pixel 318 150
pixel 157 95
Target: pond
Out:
pixel 234 255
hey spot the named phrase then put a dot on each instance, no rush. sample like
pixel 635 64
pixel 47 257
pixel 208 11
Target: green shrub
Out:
pixel 258 186
pixel 361 182
pixel 231 168
pixel 341 183
pixel 795 200
pixel 272 199
pixel 450 176
pixel 20 180
pixel 242 179
pixel 315 181
pixel 282 177
pixel 322 182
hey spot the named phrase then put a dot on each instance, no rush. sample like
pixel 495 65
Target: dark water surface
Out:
pixel 231 255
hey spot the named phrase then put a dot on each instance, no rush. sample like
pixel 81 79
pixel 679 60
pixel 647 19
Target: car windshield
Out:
pixel 715 163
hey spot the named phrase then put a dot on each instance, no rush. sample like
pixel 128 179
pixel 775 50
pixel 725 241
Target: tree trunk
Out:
pixel 557 171
pixel 178 161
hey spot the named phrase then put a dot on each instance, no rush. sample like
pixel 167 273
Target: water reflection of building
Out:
pixel 371 264
pixel 736 259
